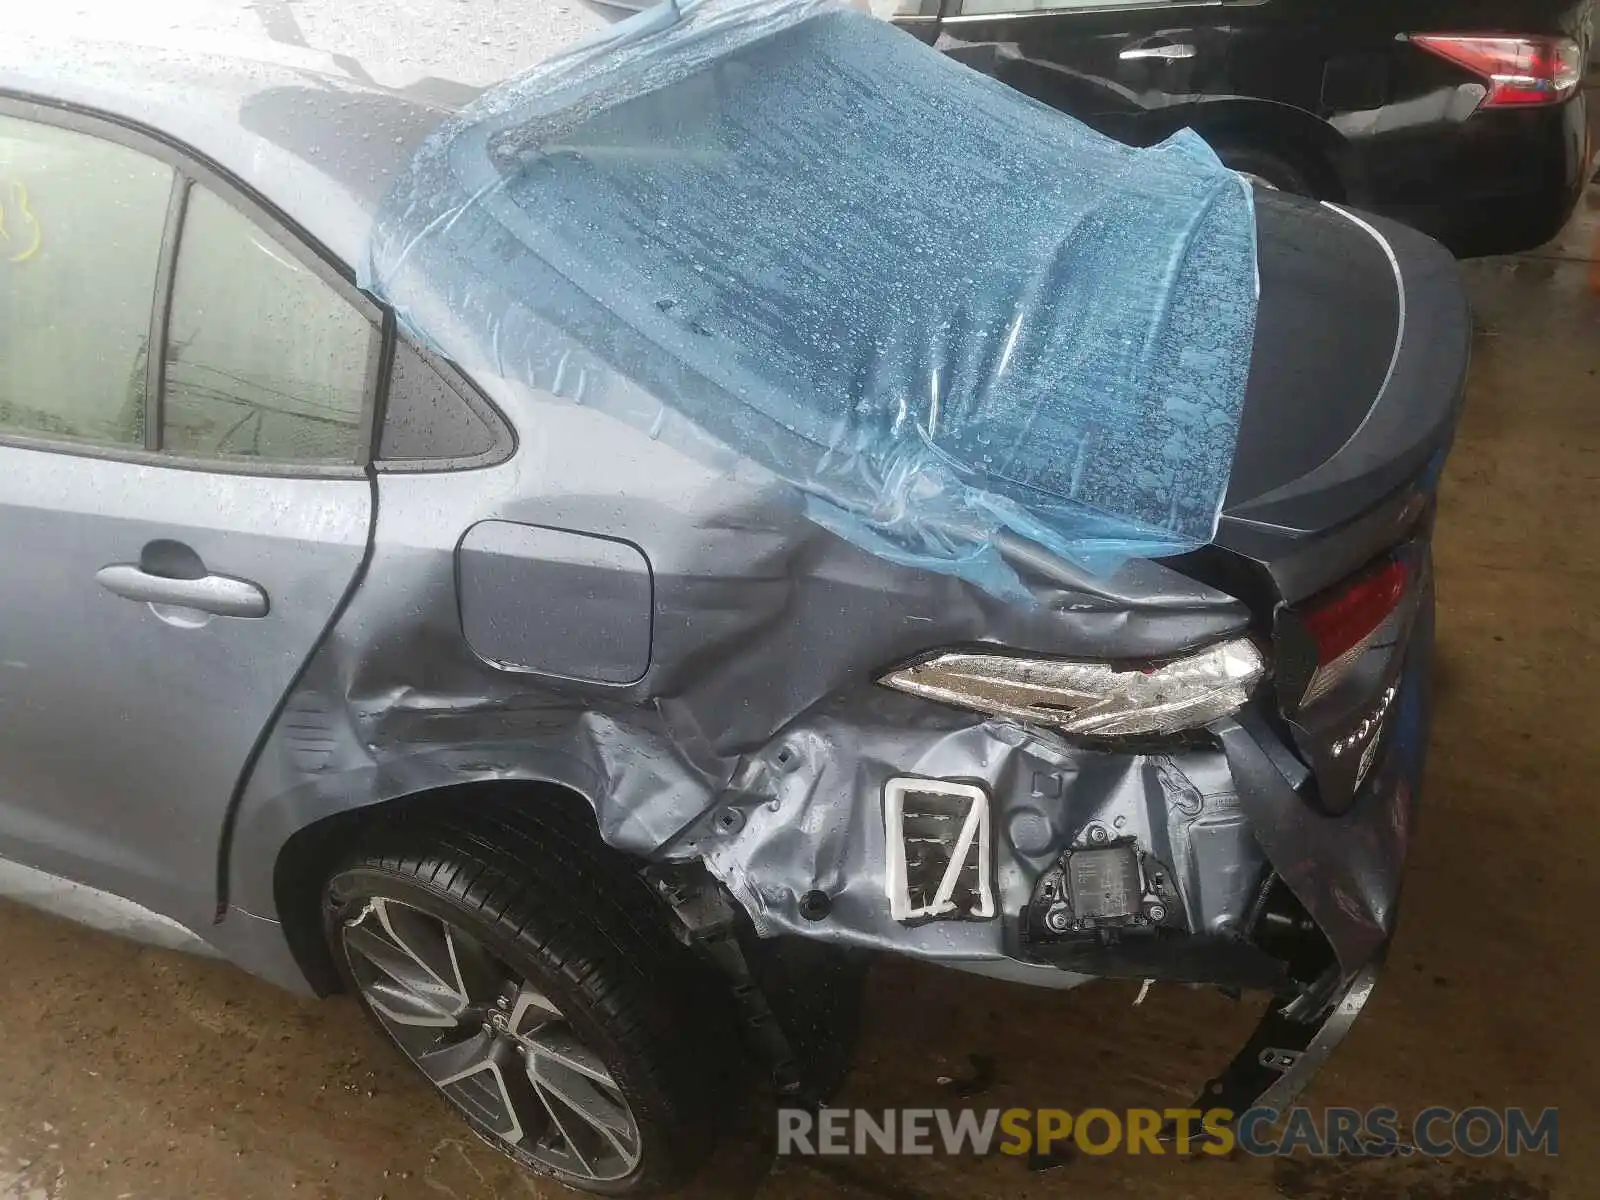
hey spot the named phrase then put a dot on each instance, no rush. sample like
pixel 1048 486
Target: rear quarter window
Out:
pixel 434 420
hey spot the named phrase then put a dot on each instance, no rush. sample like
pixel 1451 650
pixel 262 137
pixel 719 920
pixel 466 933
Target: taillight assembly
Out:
pixel 1519 71
pixel 1345 626
pixel 1093 699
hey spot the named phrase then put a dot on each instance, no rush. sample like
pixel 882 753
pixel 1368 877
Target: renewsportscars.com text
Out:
pixel 1377 1132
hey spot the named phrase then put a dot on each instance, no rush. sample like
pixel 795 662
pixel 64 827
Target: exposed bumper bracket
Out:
pixel 1284 1053
pixel 708 923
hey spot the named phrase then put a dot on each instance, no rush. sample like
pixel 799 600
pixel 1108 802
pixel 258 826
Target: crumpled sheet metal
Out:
pixel 808 815
pixel 782 230
pixel 394 703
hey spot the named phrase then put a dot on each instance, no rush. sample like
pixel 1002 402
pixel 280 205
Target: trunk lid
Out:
pixel 1356 384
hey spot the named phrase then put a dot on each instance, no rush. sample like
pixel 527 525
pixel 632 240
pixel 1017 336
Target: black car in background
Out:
pixel 1464 118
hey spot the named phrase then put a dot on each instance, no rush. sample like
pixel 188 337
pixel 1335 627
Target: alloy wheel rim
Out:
pixel 497 1048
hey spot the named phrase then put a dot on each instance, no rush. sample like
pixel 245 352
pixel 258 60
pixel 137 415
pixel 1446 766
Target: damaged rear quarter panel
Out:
pixel 768 632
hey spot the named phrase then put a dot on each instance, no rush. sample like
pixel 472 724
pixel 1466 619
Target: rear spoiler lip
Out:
pixel 1310 533
pixel 1300 565
pixel 1416 409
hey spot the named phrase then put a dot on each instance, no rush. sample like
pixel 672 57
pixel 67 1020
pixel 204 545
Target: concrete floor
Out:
pixel 128 1072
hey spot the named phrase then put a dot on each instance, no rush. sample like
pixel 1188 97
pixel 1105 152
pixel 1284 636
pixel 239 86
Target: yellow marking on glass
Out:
pixel 19 201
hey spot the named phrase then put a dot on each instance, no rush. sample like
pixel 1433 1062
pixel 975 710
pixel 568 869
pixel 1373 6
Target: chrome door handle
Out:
pixel 1166 53
pixel 216 594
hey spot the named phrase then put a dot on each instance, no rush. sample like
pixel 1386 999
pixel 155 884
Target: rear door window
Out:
pixel 265 359
pixel 81 223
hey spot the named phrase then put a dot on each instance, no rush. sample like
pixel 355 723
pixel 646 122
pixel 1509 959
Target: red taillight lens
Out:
pixel 1519 71
pixel 1345 626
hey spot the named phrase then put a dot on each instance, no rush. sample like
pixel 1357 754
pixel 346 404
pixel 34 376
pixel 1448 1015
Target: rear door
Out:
pixel 1110 63
pixel 185 404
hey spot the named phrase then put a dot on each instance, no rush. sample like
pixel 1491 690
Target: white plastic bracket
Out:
pixel 974 838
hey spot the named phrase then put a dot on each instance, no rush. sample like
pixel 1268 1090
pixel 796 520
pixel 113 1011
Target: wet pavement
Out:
pixel 135 1073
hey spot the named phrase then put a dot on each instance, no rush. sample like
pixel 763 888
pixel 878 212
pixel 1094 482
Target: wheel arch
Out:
pixel 1294 134
pixel 313 851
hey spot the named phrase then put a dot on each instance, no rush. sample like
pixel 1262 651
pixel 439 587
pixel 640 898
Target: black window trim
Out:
pixel 155 375
pixel 190 169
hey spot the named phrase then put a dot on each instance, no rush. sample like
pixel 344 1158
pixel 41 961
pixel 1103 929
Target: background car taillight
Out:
pixel 1519 71
pixel 1345 626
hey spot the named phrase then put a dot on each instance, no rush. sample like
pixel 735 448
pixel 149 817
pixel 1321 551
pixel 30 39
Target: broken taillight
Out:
pixel 1090 698
pixel 1345 626
pixel 1519 71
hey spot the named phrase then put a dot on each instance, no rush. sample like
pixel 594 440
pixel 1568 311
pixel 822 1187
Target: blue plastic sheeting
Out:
pixel 941 311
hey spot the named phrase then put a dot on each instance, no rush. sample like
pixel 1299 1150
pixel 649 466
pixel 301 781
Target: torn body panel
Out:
pixel 395 701
pixel 776 778
pixel 823 828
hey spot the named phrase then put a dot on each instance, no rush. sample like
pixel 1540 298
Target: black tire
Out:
pixel 530 885
pixel 1273 169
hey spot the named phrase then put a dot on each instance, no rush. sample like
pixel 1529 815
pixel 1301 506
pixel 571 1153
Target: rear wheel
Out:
pixel 525 973
pixel 1270 169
